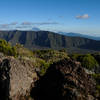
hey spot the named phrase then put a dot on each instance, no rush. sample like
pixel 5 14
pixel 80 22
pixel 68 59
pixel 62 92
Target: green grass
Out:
pixel 97 79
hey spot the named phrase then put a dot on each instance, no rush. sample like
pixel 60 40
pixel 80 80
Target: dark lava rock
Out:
pixel 65 80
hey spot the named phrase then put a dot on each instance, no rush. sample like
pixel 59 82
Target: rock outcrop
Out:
pixel 16 77
pixel 65 80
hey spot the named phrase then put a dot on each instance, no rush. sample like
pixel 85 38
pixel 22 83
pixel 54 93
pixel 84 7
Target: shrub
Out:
pixel 97 79
pixel 88 61
pixel 42 65
pixel 44 68
pixel 63 50
pixel 23 52
pixel 37 62
pixel 76 57
pixel 50 55
pixel 7 49
pixel 97 57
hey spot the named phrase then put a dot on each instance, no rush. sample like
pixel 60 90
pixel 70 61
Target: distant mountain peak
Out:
pixel 79 35
pixel 35 29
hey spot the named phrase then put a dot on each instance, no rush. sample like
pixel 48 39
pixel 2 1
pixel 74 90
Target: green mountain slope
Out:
pixel 46 39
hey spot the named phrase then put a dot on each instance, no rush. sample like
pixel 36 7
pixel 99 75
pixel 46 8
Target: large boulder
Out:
pixel 16 78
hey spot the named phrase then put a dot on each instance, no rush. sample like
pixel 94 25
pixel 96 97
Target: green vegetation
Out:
pixel 97 56
pixel 76 56
pixel 43 58
pixel 7 49
pixel 97 79
pixel 50 56
pixel 45 39
pixel 46 57
pixel 87 61
pixel 23 52
pixel 44 68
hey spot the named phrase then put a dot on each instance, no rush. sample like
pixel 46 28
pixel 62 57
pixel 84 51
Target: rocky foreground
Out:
pixel 16 77
pixel 64 80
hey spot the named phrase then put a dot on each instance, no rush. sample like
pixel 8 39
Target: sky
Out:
pixel 78 16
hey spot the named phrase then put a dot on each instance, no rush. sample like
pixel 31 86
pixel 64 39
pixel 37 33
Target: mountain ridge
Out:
pixel 46 39
pixel 80 35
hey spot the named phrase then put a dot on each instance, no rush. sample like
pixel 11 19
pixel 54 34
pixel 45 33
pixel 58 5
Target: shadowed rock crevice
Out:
pixel 4 80
pixel 49 87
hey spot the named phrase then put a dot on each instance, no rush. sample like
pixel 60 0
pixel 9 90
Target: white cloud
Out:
pixel 85 16
pixel 26 23
pixel 13 23
pixel 8 25
pixel 38 23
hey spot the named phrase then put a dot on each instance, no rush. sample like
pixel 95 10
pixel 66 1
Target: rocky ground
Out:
pixel 16 77
pixel 64 80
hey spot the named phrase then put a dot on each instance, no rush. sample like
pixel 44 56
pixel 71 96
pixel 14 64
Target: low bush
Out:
pixel 7 49
pixel 88 61
pixel 50 55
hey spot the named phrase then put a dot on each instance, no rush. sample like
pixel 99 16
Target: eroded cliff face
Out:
pixel 65 80
pixel 16 78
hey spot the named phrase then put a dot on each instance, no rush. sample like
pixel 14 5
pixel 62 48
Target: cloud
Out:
pixel 85 16
pixel 26 23
pixel 49 19
pixel 22 26
pixel 13 23
pixel 8 25
pixel 38 23
pixel 61 16
pixel 46 23
pixel 4 25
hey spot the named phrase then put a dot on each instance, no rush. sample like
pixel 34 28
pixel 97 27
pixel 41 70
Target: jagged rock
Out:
pixel 16 78
pixel 65 80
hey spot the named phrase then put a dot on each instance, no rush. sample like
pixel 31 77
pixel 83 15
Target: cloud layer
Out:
pixel 85 16
pixel 25 25
pixel 8 25
pixel 38 23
